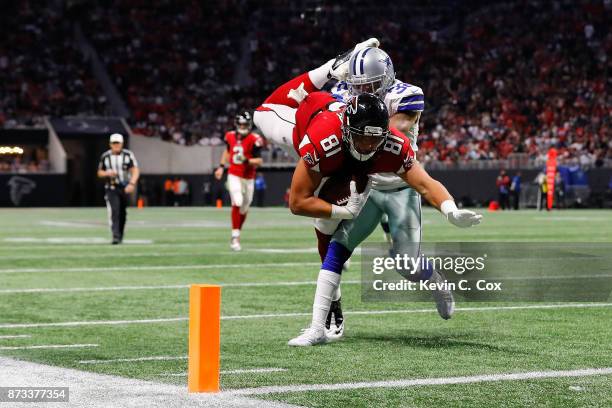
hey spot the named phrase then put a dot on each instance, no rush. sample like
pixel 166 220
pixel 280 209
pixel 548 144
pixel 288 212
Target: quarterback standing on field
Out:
pixel 244 156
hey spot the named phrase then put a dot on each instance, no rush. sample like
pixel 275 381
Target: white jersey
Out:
pixel 401 97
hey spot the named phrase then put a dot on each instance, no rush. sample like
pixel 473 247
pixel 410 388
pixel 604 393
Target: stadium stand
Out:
pixel 501 80
pixel 41 70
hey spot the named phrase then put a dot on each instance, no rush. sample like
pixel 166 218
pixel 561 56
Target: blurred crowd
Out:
pixel 33 160
pixel 41 70
pixel 174 63
pixel 500 79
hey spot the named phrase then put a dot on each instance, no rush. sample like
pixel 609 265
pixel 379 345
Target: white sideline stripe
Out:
pixel 133 360
pixel 227 372
pixel 122 288
pixel 16 336
pixel 531 375
pixel 93 390
pixel 48 346
pixel 157 267
pixel 75 240
pixel 242 284
pixel 265 316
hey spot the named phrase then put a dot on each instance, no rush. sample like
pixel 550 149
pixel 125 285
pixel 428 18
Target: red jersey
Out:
pixel 241 149
pixel 318 140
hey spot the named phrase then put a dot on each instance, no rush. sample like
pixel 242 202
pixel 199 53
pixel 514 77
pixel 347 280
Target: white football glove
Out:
pixel 354 205
pixel 298 94
pixel 459 218
pixel 339 69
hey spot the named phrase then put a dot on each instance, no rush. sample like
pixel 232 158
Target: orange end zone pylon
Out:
pixel 204 338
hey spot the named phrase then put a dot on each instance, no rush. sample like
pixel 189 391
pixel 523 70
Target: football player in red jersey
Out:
pixel 244 156
pixel 331 137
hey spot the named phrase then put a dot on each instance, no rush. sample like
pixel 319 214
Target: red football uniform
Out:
pixel 241 149
pixel 318 141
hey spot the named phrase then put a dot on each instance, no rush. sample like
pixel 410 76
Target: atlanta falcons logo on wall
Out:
pixel 20 186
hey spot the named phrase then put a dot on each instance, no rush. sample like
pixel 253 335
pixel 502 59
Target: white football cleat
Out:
pixel 339 69
pixel 445 302
pixel 309 337
pixel 335 333
pixel 235 244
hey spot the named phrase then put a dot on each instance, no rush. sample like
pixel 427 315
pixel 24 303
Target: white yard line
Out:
pixel 16 336
pixel 156 287
pixel 241 371
pixel 158 267
pixel 74 240
pixel 49 346
pixel 278 315
pixel 530 375
pixel 251 284
pixel 93 390
pixel 133 360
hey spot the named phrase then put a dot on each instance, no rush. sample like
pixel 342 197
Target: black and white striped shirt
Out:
pixel 120 163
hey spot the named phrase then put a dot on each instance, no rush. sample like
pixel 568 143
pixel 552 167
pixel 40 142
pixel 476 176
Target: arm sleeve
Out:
pixel 414 102
pixel 133 160
pixel 257 146
pixel 101 165
pixel 309 154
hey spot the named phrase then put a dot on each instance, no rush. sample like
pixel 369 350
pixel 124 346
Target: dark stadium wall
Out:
pixel 33 190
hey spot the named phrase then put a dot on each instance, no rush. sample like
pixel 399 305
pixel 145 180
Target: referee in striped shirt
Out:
pixel 119 168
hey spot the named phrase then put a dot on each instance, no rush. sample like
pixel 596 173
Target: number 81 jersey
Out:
pixel 241 149
pixel 321 147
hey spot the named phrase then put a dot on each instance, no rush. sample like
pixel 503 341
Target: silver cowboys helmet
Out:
pixel 370 70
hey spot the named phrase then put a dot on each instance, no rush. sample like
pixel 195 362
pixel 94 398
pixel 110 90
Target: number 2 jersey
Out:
pixel 241 149
pixel 318 136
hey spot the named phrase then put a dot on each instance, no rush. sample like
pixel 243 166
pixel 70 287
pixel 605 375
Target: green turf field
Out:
pixel 57 267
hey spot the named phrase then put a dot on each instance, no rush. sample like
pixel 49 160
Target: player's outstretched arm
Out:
pixel 302 199
pixel 438 196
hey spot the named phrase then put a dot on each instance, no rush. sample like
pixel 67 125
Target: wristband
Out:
pixel 222 166
pixel 448 207
pixel 340 213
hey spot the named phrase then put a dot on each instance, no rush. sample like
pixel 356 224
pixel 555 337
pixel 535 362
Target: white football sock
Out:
pixel 235 233
pixel 318 76
pixel 337 295
pixel 327 283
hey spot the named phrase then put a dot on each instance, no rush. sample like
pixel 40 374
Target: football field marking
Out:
pixel 48 346
pixel 75 240
pixel 248 284
pixel 158 267
pixel 158 287
pixel 279 315
pixel 240 371
pixel 530 375
pixel 133 360
pixel 16 336
pixel 94 390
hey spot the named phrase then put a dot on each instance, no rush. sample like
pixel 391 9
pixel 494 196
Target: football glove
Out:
pixel 459 218
pixel 354 205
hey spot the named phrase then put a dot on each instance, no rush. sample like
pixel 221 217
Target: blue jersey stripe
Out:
pixel 419 107
pixel 412 98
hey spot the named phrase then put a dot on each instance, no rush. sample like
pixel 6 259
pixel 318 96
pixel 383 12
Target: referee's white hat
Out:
pixel 116 138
